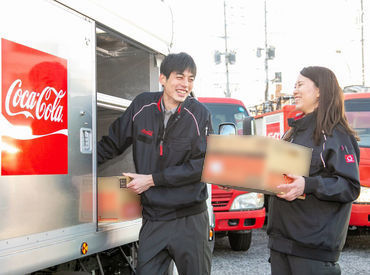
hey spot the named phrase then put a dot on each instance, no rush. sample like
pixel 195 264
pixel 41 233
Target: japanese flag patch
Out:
pixel 349 158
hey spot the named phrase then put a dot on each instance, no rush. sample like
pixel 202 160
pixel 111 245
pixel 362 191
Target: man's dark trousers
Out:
pixel 185 240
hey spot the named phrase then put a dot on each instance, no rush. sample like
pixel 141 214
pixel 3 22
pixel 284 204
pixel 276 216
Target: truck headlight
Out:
pixel 248 201
pixel 364 195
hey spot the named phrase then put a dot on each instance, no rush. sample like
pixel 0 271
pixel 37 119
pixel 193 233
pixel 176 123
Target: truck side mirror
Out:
pixel 226 129
pixel 249 126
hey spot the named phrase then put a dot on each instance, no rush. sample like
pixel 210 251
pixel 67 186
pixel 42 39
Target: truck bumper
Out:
pixel 239 220
pixel 360 215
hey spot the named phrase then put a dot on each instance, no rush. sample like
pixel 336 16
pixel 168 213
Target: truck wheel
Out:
pixel 240 240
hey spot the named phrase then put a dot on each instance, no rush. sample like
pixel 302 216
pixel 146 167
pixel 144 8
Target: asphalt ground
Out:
pixel 354 259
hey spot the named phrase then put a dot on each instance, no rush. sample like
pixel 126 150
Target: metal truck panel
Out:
pixel 48 214
pixel 42 200
pixel 47 99
pixel 54 252
pixel 148 22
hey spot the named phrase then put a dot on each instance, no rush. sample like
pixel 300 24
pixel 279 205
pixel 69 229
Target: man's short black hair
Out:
pixel 178 62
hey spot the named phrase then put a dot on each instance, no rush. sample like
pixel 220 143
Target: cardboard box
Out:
pixel 115 201
pixel 253 163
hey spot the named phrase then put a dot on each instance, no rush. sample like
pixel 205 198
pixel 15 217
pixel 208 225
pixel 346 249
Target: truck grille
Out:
pixel 221 200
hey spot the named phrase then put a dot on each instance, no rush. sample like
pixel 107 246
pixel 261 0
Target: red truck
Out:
pixel 236 212
pixel 357 107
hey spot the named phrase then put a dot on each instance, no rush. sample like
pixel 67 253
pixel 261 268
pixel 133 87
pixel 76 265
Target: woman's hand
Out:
pixel 293 190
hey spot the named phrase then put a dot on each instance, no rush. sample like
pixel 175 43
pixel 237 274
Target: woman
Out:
pixel 307 235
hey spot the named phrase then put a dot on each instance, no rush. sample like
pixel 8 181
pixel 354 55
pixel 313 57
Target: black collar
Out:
pixel 304 122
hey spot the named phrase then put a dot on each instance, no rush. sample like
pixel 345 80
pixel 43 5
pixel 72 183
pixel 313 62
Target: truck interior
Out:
pixel 222 113
pixel 123 70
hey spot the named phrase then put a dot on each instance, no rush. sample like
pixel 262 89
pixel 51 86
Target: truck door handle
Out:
pixel 85 141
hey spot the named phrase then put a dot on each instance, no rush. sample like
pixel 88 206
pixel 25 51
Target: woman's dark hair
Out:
pixel 330 111
pixel 178 63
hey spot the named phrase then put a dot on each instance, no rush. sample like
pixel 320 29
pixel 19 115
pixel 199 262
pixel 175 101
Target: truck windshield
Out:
pixel 221 113
pixel 358 115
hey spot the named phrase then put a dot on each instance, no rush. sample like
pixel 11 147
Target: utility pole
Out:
pixel 362 44
pixel 227 93
pixel 230 56
pixel 266 57
pixel 269 55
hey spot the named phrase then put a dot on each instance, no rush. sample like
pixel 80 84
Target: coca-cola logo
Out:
pixel 35 104
pixel 34 113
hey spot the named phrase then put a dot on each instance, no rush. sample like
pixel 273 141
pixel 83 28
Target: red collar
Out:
pixel 299 116
pixel 159 105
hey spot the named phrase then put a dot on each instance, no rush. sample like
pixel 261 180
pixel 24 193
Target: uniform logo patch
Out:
pixel 349 158
pixel 147 132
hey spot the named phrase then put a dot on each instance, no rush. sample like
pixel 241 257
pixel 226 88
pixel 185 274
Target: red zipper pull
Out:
pixel 161 150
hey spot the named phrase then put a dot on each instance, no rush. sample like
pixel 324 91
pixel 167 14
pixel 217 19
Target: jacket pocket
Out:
pixel 180 144
pixel 179 151
pixel 145 139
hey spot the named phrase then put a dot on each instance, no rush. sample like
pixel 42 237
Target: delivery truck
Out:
pixel 68 69
pixel 236 212
pixel 357 107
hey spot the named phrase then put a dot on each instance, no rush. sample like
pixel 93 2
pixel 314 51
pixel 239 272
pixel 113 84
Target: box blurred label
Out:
pixel 115 201
pixel 253 163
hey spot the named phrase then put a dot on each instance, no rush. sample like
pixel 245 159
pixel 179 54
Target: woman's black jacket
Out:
pixel 316 227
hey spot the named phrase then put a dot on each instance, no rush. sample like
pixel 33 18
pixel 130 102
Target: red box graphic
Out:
pixel 34 111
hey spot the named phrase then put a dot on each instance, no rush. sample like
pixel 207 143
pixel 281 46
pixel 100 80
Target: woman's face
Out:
pixel 306 95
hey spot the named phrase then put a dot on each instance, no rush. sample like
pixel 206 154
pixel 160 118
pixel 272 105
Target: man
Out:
pixel 168 132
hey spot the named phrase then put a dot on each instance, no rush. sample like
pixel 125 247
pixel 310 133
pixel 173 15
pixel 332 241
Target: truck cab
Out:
pixel 357 106
pixel 236 212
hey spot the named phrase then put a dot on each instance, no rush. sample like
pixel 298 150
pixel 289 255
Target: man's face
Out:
pixel 176 88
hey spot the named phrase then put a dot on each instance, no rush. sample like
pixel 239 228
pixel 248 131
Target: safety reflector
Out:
pixel 211 235
pixel 84 248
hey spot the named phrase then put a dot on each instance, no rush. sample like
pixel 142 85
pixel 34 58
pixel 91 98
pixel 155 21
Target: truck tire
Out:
pixel 240 240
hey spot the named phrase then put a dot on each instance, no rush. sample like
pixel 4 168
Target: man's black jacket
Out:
pixel 174 156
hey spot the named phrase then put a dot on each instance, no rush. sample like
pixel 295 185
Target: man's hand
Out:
pixel 291 191
pixel 139 183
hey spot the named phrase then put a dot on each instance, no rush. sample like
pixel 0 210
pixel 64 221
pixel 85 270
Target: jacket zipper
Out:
pixel 171 122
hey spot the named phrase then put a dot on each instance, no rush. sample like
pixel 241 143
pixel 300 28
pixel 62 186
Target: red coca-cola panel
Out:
pixel 273 130
pixel 34 113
